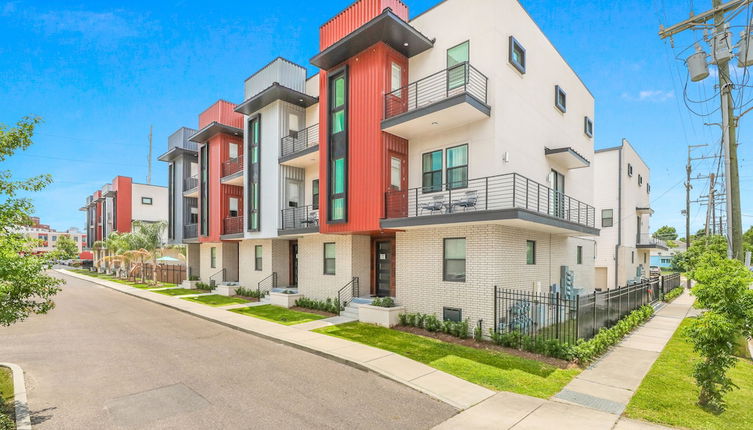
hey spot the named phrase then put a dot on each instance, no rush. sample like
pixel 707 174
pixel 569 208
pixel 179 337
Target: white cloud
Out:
pixel 649 96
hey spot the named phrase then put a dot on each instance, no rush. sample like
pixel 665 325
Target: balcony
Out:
pixel 300 149
pixel 191 186
pixel 442 101
pixel 190 231
pixel 232 171
pixel 509 199
pixel 232 226
pixel 645 241
pixel 298 221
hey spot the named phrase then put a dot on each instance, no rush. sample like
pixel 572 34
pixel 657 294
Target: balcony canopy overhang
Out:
pixel 385 27
pixel 567 157
pixel 174 153
pixel 273 93
pixel 644 211
pixel 212 129
pixel 652 245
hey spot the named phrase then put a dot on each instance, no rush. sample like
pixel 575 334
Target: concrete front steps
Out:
pixel 351 311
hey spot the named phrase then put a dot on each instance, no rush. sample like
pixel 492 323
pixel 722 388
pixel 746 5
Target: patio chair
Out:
pixel 435 205
pixel 468 201
pixel 312 219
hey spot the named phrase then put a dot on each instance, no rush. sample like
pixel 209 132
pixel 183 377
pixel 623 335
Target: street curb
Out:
pixel 304 348
pixel 23 418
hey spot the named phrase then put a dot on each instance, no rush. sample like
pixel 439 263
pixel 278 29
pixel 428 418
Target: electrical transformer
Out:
pixel 744 51
pixel 721 48
pixel 697 66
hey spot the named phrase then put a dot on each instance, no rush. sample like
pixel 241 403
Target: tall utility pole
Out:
pixel 149 161
pixel 729 121
pixel 710 210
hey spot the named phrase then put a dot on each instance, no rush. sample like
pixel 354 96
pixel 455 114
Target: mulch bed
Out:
pixel 313 311
pixel 472 343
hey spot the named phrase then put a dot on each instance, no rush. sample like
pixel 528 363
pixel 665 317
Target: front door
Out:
pixel 293 263
pixel 383 267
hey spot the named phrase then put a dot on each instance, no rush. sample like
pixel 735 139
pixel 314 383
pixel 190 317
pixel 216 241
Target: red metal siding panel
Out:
pixel 356 15
pixel 124 188
pixel 223 112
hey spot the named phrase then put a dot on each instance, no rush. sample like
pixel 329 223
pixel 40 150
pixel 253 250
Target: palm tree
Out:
pixel 98 246
pixel 148 237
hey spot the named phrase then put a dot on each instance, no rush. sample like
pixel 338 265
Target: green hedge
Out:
pixel 431 323
pixel 329 305
pixel 672 294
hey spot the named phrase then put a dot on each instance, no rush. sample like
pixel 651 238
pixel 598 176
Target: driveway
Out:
pixel 104 360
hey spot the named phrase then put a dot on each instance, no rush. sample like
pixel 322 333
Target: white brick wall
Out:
pixel 352 259
pixel 275 258
pixel 227 257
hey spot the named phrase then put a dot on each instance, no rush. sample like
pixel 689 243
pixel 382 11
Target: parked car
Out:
pixel 654 271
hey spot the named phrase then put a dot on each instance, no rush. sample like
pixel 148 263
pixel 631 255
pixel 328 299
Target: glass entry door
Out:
pixel 383 267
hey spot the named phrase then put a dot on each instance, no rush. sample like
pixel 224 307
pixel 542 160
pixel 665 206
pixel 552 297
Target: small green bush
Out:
pixel 203 286
pixel 328 305
pixel 250 292
pixel 193 278
pixel 383 302
pixel 430 322
pixel 670 296
pixel 6 423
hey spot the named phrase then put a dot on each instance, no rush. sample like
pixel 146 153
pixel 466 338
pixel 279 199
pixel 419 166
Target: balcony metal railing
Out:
pixel 232 225
pixel 646 239
pixel 300 140
pixel 300 217
pixel 231 166
pixel 459 79
pixel 191 182
pixel 190 231
pixel 506 191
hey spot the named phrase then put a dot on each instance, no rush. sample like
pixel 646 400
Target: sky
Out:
pixel 100 74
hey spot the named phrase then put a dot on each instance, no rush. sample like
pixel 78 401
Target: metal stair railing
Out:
pixel 213 278
pixel 347 293
pixel 267 284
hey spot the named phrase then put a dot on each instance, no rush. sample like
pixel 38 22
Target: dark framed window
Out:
pixel 315 194
pixel 254 173
pixel 588 126
pixel 530 252
pixel 640 180
pixel 337 202
pixel 630 169
pixel 560 99
pixel 607 217
pixel 257 257
pixel 457 65
pixel 146 201
pixel 453 269
pixel 329 258
pixel 170 201
pixel 648 188
pixel 233 203
pixel 193 216
pixel 213 257
pixel 457 167
pixel 517 55
pixel 579 255
pixel 452 314
pixel 431 167
pixel 204 190
pixel 632 257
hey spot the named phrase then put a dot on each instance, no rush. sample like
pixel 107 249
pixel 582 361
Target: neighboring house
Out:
pixel 119 204
pixel 49 237
pixel 430 161
pixel 663 257
pixel 623 204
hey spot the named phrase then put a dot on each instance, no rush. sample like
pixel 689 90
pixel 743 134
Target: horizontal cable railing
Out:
pixel 459 79
pixel 646 239
pixel 231 166
pixel 299 140
pixel 300 217
pixel 506 191
pixel 190 231
pixel 232 225
pixel 191 182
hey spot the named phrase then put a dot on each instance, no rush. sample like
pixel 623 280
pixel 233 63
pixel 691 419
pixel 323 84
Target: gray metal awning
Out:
pixel 273 93
pixel 212 129
pixel 567 157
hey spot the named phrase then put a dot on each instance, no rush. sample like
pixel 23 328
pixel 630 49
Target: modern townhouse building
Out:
pixel 182 186
pixel 48 237
pixel 119 204
pixel 622 199
pixel 425 161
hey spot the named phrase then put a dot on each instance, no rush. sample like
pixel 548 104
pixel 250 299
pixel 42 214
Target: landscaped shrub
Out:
pixel 248 292
pixel 478 333
pixel 383 302
pixel 537 345
pixel 329 305
pixel 672 295
pixel 430 322
pixel 193 278
pixel 203 286
pixel 6 423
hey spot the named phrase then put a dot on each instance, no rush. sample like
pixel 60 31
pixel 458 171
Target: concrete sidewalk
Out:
pixel 596 398
pixel 440 385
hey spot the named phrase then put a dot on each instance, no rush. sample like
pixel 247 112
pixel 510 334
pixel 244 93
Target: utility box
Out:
pixel 721 48
pixel 698 69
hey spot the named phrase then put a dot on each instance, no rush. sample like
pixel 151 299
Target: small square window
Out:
pixel 530 252
pixel 517 55
pixel 560 99
pixel 630 169
pixel 146 200
pixel 607 217
pixel 588 127
pixel 579 255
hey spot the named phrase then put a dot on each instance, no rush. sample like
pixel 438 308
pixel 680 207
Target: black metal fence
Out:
pixel 552 316
pixel 300 217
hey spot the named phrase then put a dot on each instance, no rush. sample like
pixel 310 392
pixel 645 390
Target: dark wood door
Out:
pixel 293 263
pixel 383 266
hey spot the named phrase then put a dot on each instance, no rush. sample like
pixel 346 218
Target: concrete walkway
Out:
pixel 440 385
pixel 596 398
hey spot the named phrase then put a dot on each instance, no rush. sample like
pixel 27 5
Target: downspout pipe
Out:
pixel 619 217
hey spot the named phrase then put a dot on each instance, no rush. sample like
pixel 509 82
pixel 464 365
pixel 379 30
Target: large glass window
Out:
pixel 432 171
pixel 457 167
pixel 457 59
pixel 294 193
pixel 329 258
pixel 338 148
pixel 254 173
pixel 232 150
pixel 454 260
pixel 257 257
pixel 396 173
pixel 530 252
pixel 396 81
pixel 213 257
pixel 315 194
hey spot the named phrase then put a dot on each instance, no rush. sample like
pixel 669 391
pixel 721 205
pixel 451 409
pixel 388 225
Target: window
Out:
pixel 454 260
pixel 232 150
pixel 530 252
pixel 644 258
pixel 396 81
pixel 257 257
pixel 640 180
pixel 457 65
pixel 632 257
pixel 329 258
pixel 293 126
pixel 194 215
pixel 560 99
pixel 607 217
pixel 630 169
pixel 579 255
pixel 517 55
pixel 457 167
pixel 315 194
pixel 213 257
pixel 588 126
pixel 253 204
pixel 146 200
pixel 396 173
pixel 432 172
pixel 648 188
pixel 337 168
pixel 452 314
pixel 54 238
pixel 338 188
pixel 294 193
pixel 233 207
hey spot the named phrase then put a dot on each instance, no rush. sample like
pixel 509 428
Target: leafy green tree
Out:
pixel 66 248
pixel 25 288
pixel 748 239
pixel 722 288
pixel 688 260
pixel 665 233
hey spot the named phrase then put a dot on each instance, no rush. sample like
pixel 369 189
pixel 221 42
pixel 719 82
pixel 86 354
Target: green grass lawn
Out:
pixel 179 292
pixel 492 369
pixel 6 392
pixel 216 300
pixel 278 314
pixel 668 394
